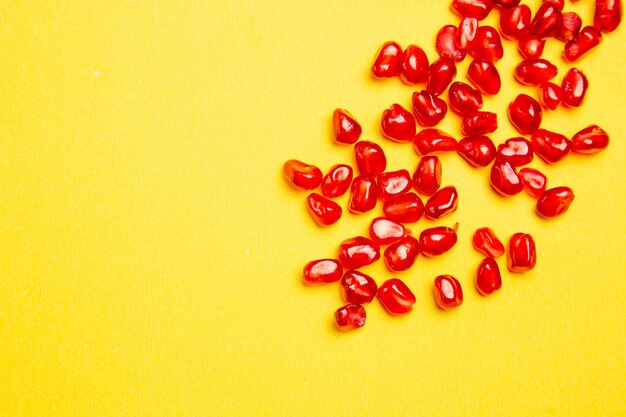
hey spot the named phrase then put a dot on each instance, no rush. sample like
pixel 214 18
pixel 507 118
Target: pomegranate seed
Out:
pixel 301 175
pixel 322 271
pixel 478 9
pixel 440 75
pixel 550 146
pixel 570 27
pixel 486 241
pixel 577 47
pixel 387 63
pixel 347 129
pixel 574 87
pixel 531 47
pixel 384 231
pixel 445 45
pixel 427 176
pixel 486 45
pixel 515 22
pixel 408 208
pixel 506 4
pixel 464 99
pixel 534 181
pixel 525 114
pixel 517 151
pixel 466 32
pixel 448 292
pixel 479 123
pixel 414 65
pixel 433 140
pixel 547 20
pixel 396 297
pixel 504 179
pixel 550 95
pixel 370 158
pixel 590 140
pixel 350 317
pixel 324 211
pixel 554 202
pixel 607 15
pixel 337 181
pixel 484 75
pixel 394 183
pixel 398 124
pixel 437 240
pixel 428 109
pixel 358 252
pixel 442 203
pixel 479 151
pixel 522 254
pixel 401 255
pixel 488 277
pixel 535 71
pixel 558 3
pixel 357 287
pixel 362 195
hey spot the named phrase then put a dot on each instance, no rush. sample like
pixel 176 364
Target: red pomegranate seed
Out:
pixel 408 208
pixel 362 195
pixel 550 95
pixel 525 114
pixel 428 109
pixel 401 255
pixel 550 146
pixel 478 151
pixel 478 9
pixel 506 4
pixel 586 40
pixel 484 75
pixel 504 179
pixel 398 124
pixel 437 240
pixel 466 32
pixel 535 71
pixel 396 297
pixel 486 45
pixel 440 75
pixel 346 128
pixel 517 151
pixel 337 181
pixel 488 277
pixel 442 203
pixel 486 241
pixel 558 3
pixel 531 47
pixel 384 231
pixel 590 140
pixel 414 65
pixel 358 252
pixel 607 15
pixel 554 202
pixel 534 181
pixel 479 123
pixel 427 176
pixel 357 287
pixel 322 271
pixel 370 158
pixel 445 45
pixel 433 140
pixel 393 183
pixel 570 27
pixel 350 317
pixel 515 22
pixel 301 175
pixel 464 99
pixel 522 254
pixel 448 292
pixel 324 211
pixel 574 87
pixel 387 62
pixel 547 20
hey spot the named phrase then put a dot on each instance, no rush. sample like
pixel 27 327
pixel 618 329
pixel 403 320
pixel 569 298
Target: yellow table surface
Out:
pixel 151 252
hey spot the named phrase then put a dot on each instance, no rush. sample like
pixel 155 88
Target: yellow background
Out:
pixel 150 251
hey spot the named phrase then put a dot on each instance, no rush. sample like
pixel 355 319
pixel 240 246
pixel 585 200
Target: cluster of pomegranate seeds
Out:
pixel 373 183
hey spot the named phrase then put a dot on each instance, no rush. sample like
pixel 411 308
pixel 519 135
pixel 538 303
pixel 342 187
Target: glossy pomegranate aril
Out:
pixel 550 146
pixel 322 271
pixel 350 317
pixel 442 203
pixel 517 151
pixel 370 158
pixel 479 123
pixel 554 202
pixel 478 151
pixel 437 240
pixel 525 114
pixel 357 287
pixel 445 44
pixel 384 231
pixel 440 75
pixel 486 45
pixel 531 47
pixel 345 127
pixel 515 22
pixel 484 75
pixel 488 278
pixel 324 211
pixel 428 108
pixel 398 124
pixel 401 255
pixel 414 65
pixel 590 140
pixel 581 44
pixel 506 4
pixel 387 62
pixel 433 140
pixel 486 241
pixel 570 27
pixel 607 15
pixel 550 95
pixel 478 9
pixel 466 32
pixel 427 176
pixel 408 208
pixel 558 3
pixel 547 20
pixel 464 99
pixel 393 183
pixel 534 181
pixel 301 175
pixel 535 71
pixel 337 181
pixel 358 252
pixel 448 292
pixel 574 88
pixel 362 195
pixel 396 297
pixel 504 179
pixel 522 253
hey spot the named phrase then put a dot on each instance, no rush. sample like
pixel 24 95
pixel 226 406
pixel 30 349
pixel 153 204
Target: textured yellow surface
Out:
pixel 150 252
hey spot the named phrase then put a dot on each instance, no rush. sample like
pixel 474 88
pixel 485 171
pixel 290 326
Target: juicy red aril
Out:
pixel 550 146
pixel 387 62
pixel 522 254
pixel 517 151
pixel 322 271
pixel 398 124
pixel 401 255
pixel 547 20
pixel 302 175
pixel 579 45
pixel 478 9
pixel 362 195
pixel 534 181
pixel 427 176
pixel 574 87
pixel 607 15
pixel 448 292
pixel 370 158
pixel 486 45
pixel 478 151
pixel 408 208
pixel 531 47
pixel 437 240
pixel 384 231
pixel 428 108
pixel 506 4
pixel 345 127
pixel 550 95
pixel 525 114
pixel 337 181
pixel 515 22
pixel 479 123
pixel 558 3
pixel 464 99
pixel 394 183
pixel 486 241
pixel 440 75
pixel 466 32
pixel 358 252
pixel 446 46
pixel 488 277
pixel 414 65
pixel 570 27
pixel 484 75
pixel 535 71
pixel 396 297
pixel 324 211
pixel 357 287
pixel 442 203
pixel 433 140
pixel 590 140
pixel 554 201
pixel 350 317
pixel 504 179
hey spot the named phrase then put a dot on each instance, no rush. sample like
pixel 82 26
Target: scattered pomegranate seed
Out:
pixel 357 287
pixel 427 176
pixel 506 4
pixel 445 44
pixel 324 211
pixel 531 47
pixel 437 240
pixel 401 255
pixel 398 124
pixel 574 88
pixel 337 181
pixel 558 3
pixel 396 297
pixel 581 44
pixel 554 202
pixel 479 123
pixel 486 45
pixel 370 158
pixel 547 20
pixel 350 317
pixel 394 183
pixel 517 151
pixel 464 99
pixel 607 15
pixel 478 151
pixel 525 114
pixel 448 292
pixel 486 241
pixel 466 32
pixel 414 65
pixel 347 130
pixel 408 208
pixel 534 181
pixel 488 277
pixel 522 254
pixel 550 95
pixel 358 252
pixel 535 71
pixel 387 62
pixel 440 75
pixel 478 9
pixel 515 22
pixel 384 231
pixel 302 175
pixel 504 179
pixel 484 75
pixel 428 109
pixel 570 27
pixel 362 195
pixel 433 140
pixel 442 203
pixel 550 146
pixel 590 140
pixel 322 271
